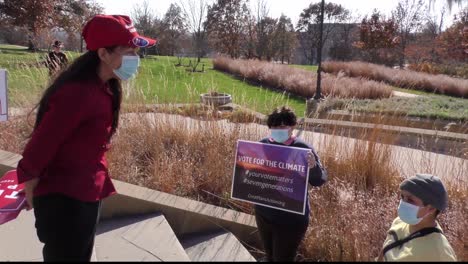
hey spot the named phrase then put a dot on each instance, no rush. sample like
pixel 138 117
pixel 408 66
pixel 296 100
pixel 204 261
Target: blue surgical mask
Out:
pixel 408 213
pixel 280 135
pixel 129 67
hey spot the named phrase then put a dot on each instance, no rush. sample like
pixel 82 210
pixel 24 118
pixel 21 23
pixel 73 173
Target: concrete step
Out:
pixel 18 239
pixel 138 238
pixel 142 238
pixel 220 246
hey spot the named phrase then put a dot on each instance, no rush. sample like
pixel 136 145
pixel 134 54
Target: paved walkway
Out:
pixel 403 94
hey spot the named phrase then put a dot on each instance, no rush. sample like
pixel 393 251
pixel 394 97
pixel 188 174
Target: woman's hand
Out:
pixel 29 187
pixel 312 162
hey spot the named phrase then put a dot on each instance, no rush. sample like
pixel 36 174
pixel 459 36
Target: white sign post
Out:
pixel 3 95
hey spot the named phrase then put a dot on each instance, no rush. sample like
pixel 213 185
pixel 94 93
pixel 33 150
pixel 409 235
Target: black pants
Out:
pixel 280 241
pixel 66 227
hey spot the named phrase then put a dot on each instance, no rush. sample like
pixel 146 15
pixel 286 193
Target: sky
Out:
pixel 291 8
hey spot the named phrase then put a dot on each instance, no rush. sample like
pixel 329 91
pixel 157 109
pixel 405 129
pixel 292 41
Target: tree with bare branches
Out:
pixel 453 43
pixel 145 21
pixel 285 39
pixel 34 15
pixel 172 30
pixel 39 16
pixel 250 44
pixel 226 25
pixel 266 38
pixel 408 16
pixel 263 25
pixel 195 15
pixel 450 3
pixel 74 15
pixel 424 47
pixel 308 26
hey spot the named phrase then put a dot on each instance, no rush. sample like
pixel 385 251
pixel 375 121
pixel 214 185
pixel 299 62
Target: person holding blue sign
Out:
pixel 281 232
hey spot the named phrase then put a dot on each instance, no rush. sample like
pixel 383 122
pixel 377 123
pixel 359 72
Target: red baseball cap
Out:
pixel 104 31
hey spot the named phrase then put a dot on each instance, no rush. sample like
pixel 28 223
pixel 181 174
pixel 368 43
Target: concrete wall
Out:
pixel 184 215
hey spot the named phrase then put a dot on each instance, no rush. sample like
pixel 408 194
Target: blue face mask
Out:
pixel 280 135
pixel 408 213
pixel 129 67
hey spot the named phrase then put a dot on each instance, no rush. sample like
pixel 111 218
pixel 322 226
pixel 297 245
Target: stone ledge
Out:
pixel 184 215
pixel 8 161
pixel 137 238
pixel 221 246
pixel 396 129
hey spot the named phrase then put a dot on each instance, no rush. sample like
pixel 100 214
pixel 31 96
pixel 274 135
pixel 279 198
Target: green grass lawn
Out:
pixel 25 82
pixel 430 106
pixel 163 82
pixel 160 81
pixel 27 78
pixel 16 47
pixel 306 67
pixel 411 91
pixel 427 105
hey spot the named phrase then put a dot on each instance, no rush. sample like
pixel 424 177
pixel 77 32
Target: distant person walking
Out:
pixel 415 235
pixel 56 60
pixel 64 166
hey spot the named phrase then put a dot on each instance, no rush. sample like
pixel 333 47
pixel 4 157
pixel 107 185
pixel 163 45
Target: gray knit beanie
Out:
pixel 428 188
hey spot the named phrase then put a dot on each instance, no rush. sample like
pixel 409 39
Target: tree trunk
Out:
pixel 401 60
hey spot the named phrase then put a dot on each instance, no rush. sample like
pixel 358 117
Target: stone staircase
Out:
pixel 146 237
pixel 139 238
pixel 140 224
pixel 219 246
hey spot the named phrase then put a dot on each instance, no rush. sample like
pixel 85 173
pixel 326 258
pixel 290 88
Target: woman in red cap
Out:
pixel 63 165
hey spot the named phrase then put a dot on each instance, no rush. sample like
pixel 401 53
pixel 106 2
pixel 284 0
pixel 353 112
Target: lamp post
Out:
pixel 318 91
pixel 312 103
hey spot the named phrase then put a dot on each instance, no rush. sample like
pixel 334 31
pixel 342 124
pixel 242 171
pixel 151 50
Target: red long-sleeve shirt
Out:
pixel 66 151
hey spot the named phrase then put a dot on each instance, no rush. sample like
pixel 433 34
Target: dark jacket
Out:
pixel 317 177
pixel 56 61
